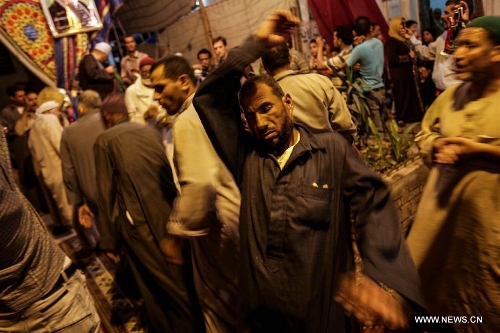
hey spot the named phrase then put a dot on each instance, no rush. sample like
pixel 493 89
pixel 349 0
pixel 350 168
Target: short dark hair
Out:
pixel 427 64
pixel 374 24
pixel 432 31
pixel 204 51
pixel 313 41
pixel 12 89
pixel 276 57
pixel 409 23
pixel 344 32
pixel 219 39
pixel 175 66
pixel 268 80
pixel 362 26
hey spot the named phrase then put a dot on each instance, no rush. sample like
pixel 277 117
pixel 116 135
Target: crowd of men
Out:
pixel 232 197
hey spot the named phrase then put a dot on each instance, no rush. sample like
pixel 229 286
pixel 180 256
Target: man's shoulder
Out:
pixel 45 122
pixel 112 133
pixel 329 141
pixel 125 59
pixel 5 111
pixel 300 80
pixel 92 121
pixel 291 76
pixel 188 116
pixel 132 88
pixel 87 58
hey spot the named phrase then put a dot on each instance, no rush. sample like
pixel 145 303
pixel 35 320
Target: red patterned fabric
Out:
pixel 331 13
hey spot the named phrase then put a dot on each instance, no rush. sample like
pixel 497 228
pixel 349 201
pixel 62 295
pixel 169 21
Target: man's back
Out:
pixel 30 262
pixel 93 76
pixel 317 104
pixel 143 177
pixel 370 54
pixel 135 179
pixel 77 156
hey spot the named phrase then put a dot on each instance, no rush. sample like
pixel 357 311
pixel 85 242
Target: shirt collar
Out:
pixel 345 51
pixel 134 54
pixel 281 75
pixel 308 141
pixel 186 104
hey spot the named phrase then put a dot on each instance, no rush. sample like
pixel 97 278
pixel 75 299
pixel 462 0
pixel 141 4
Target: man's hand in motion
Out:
pixel 277 27
pixel 369 303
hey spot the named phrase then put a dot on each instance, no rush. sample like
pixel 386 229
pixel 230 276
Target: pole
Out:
pixel 206 25
pixel 297 43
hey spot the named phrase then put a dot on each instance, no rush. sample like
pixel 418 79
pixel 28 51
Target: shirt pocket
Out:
pixel 313 206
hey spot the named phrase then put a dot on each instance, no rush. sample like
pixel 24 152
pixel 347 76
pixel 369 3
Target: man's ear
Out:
pixel 185 81
pixel 287 100
pixel 495 57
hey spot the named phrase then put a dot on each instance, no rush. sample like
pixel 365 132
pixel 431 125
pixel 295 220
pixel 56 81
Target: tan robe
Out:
pixel 45 146
pixel 207 213
pixel 455 239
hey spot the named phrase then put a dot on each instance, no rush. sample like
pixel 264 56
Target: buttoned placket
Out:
pixel 279 214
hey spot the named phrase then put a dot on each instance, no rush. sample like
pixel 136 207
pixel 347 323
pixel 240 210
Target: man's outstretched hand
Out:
pixel 277 27
pixel 369 303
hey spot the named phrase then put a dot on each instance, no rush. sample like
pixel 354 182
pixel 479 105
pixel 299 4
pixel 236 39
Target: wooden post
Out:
pixel 297 43
pixel 208 31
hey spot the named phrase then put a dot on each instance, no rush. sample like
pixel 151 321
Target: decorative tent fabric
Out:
pixel 331 13
pixel 155 14
pixel 25 32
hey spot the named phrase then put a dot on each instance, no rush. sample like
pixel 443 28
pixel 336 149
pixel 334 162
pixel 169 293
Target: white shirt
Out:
pixel 442 74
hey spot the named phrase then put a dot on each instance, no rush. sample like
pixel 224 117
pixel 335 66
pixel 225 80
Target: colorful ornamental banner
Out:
pixel 25 32
pixel 70 17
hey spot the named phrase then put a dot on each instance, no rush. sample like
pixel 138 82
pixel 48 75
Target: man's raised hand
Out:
pixel 277 27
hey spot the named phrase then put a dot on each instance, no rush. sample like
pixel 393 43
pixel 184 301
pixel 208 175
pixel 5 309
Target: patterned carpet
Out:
pixel 119 313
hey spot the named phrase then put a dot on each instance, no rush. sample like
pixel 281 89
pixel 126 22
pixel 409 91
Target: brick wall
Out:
pixel 406 185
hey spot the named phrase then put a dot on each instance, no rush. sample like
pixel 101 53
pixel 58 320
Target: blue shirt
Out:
pixel 370 54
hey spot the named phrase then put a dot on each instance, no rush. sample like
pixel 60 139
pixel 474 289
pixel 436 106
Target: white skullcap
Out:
pixel 103 47
pixel 47 106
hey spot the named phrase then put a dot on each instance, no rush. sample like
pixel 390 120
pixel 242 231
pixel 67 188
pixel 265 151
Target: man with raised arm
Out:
pixel 299 191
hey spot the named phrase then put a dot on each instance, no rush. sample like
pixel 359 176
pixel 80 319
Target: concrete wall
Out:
pixel 406 186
